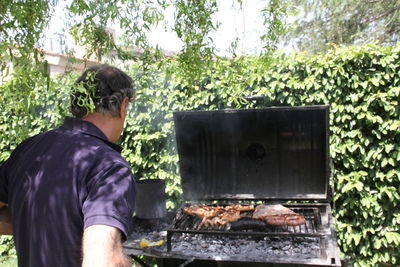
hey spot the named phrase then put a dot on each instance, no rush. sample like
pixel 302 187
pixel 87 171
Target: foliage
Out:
pixel 22 25
pixel 319 23
pixel 363 88
pixel 194 31
pixel 8 261
pixel 148 134
pixel 22 116
pixel 21 28
pixel 7 246
pixel 32 102
pixel 360 83
pixel 88 21
pixel 275 15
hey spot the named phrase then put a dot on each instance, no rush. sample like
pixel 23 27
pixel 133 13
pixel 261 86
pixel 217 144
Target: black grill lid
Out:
pixel 268 153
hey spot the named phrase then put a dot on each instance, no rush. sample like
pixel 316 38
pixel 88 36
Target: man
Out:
pixel 69 192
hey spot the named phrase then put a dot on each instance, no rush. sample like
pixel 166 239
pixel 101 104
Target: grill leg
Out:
pixel 169 238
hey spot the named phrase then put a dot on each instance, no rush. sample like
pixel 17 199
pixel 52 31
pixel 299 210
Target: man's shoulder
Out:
pixel 86 139
pixel 26 144
pixel 74 145
pixel 109 156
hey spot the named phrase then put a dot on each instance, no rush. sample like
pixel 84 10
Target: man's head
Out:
pixel 109 90
pixel 107 87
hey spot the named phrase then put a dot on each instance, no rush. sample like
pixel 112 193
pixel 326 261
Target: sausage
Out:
pixel 295 220
pixel 285 219
pixel 278 220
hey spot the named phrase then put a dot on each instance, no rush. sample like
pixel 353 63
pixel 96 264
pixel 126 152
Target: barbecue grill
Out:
pixel 253 156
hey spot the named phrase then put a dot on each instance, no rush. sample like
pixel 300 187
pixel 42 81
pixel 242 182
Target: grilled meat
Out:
pixel 240 207
pixel 215 216
pixel 222 219
pixel 278 215
pixel 203 211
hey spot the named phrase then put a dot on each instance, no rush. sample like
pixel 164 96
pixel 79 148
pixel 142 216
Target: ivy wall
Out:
pixel 361 84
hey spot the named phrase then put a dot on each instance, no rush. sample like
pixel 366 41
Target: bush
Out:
pixel 361 84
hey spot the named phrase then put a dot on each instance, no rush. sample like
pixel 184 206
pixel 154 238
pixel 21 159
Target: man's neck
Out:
pixel 105 122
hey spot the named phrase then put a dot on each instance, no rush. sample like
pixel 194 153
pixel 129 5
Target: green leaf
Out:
pixel 393 238
pixel 357 238
pixel 384 162
pixel 389 148
pixel 378 243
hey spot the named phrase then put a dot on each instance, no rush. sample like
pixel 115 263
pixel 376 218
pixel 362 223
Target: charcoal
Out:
pixel 249 248
pixel 301 248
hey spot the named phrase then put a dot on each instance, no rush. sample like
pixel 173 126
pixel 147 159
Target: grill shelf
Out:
pixel 189 224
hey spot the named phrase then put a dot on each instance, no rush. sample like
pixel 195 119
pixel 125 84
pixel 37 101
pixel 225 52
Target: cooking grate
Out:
pixel 189 224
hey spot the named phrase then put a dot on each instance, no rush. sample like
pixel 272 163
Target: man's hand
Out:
pixel 102 247
pixel 5 220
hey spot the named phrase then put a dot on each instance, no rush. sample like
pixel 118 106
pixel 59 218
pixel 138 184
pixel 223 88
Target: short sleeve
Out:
pixel 110 199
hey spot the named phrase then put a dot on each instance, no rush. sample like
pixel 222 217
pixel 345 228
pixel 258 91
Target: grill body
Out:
pixel 253 156
pixel 319 225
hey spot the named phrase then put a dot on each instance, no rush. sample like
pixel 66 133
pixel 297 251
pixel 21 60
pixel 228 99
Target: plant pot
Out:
pixel 150 202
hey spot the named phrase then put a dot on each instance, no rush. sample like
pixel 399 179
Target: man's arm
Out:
pixel 102 247
pixel 5 220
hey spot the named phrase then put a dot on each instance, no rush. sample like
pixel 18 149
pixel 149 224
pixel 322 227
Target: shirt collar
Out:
pixel 88 128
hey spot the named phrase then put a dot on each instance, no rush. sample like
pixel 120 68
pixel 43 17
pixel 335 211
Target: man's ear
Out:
pixel 123 108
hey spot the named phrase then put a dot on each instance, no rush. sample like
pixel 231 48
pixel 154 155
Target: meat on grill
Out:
pixel 203 210
pixel 222 219
pixel 214 216
pixel 278 215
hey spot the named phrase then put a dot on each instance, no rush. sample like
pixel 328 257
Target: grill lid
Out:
pixel 268 153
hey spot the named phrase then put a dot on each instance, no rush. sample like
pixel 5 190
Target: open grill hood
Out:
pixel 278 153
pixel 264 155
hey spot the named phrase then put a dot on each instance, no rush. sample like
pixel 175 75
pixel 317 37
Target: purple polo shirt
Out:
pixel 58 183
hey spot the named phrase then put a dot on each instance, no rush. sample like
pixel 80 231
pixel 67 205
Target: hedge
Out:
pixel 361 84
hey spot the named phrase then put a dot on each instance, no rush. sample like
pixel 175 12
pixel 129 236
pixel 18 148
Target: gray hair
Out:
pixel 101 88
